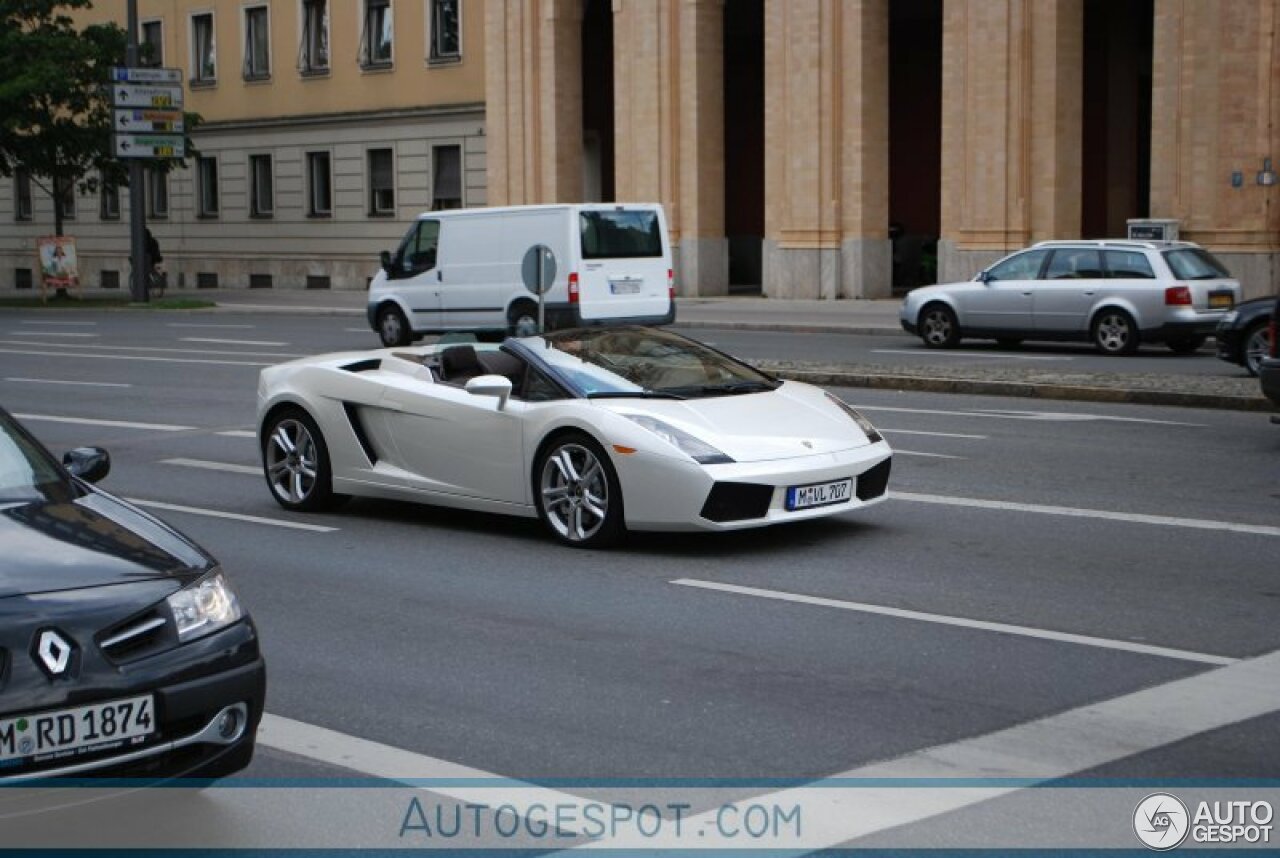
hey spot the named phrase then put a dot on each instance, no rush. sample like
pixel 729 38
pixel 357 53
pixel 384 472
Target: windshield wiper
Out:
pixel 633 394
pixel 727 389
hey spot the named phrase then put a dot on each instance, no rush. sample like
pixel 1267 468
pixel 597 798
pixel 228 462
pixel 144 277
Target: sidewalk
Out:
pixel 1230 390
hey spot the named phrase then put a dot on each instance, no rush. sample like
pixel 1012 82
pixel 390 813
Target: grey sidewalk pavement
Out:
pixel 1229 391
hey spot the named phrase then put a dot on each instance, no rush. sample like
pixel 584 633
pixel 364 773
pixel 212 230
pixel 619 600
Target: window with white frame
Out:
pixel 207 186
pixel 446 184
pixel 21 195
pixel 66 191
pixel 313 51
pixel 444 19
pixel 257 43
pixel 382 190
pixel 376 34
pixel 204 63
pixel 151 44
pixel 109 199
pixel 157 193
pixel 261 201
pixel 319 185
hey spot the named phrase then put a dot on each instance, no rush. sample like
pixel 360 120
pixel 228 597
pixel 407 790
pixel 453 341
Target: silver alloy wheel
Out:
pixel 575 492
pixel 1256 348
pixel 291 461
pixel 1114 332
pixel 935 327
pixel 390 328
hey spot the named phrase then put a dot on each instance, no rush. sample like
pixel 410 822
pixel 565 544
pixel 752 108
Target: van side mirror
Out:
pixel 385 258
pixel 491 385
pixel 88 463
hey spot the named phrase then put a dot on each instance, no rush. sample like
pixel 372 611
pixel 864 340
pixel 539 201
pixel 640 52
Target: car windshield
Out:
pixel 1194 263
pixel 26 472
pixel 644 362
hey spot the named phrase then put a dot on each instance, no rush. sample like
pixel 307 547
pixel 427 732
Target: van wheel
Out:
pixel 393 327
pixel 522 320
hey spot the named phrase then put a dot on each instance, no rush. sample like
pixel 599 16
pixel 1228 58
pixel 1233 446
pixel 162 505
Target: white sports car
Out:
pixel 595 431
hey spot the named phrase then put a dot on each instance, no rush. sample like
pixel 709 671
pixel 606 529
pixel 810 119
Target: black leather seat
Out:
pixel 459 364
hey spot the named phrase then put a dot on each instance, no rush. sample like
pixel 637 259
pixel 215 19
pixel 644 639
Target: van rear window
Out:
pixel 620 234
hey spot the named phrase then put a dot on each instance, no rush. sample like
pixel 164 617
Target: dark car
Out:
pixel 123 649
pixel 1242 335
pixel 1269 369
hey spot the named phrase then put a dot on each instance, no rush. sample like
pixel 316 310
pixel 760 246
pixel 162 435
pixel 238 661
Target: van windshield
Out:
pixel 620 234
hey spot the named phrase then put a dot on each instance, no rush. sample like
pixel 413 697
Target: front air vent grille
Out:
pixel 874 482
pixel 737 502
pixel 364 365
pixel 140 635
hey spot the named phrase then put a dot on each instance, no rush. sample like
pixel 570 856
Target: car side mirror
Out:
pixel 385 258
pixel 491 385
pixel 985 277
pixel 88 463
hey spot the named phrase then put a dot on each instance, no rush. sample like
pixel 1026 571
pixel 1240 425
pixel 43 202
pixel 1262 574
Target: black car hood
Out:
pixel 89 540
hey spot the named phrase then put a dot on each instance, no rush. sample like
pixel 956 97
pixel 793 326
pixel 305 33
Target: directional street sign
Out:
pixel 154 121
pixel 135 95
pixel 148 75
pixel 150 146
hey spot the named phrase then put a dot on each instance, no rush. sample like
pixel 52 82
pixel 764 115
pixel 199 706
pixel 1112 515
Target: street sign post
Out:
pixel 146 75
pixel 147 117
pixel 153 121
pixel 145 95
pixel 538 270
pixel 150 146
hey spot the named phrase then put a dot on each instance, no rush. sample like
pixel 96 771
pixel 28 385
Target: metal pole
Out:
pixel 542 292
pixel 137 194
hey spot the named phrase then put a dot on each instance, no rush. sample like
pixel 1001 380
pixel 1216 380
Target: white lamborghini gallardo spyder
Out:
pixel 596 431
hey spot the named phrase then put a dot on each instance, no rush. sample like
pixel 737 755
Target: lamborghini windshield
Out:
pixel 640 362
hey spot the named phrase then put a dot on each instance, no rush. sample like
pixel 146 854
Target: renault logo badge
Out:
pixel 54 652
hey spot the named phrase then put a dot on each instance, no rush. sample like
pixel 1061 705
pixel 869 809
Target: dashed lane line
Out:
pixel 233 516
pixel 114 424
pixel 213 466
pixel 80 383
pixel 147 358
pixel 234 342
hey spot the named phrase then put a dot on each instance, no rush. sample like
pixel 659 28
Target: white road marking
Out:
pixel 238 433
pixel 83 355
pixel 233 342
pixel 50 334
pixel 42 322
pixel 933 434
pixel 234 516
pixel 114 424
pixel 199 351
pixel 84 383
pixel 1046 749
pixel 1073 512
pixel 900 452
pixel 1050 416
pixel 396 764
pixel 358 330
pixel 955 354
pixel 213 466
pixel 204 325
pixel 962 622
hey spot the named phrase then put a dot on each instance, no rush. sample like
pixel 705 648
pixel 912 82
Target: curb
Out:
pixel 1026 390
pixel 245 309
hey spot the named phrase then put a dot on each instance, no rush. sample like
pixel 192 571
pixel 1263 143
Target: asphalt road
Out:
pixel 1148 534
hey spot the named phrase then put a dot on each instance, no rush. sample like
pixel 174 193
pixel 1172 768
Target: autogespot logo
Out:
pixel 1160 821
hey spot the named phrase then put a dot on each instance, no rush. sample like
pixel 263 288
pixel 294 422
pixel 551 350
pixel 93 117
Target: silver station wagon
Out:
pixel 1116 294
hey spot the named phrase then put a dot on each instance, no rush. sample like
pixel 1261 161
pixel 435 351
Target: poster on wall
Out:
pixel 59 268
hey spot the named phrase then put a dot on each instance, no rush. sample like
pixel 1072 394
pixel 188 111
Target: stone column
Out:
pixel 1011 128
pixel 1216 66
pixel 826 149
pixel 533 91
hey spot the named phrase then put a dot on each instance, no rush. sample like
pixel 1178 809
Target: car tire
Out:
pixel 522 319
pixel 938 327
pixel 1114 332
pixel 393 327
pixel 577 492
pixel 1186 345
pixel 1008 342
pixel 292 446
pixel 1257 345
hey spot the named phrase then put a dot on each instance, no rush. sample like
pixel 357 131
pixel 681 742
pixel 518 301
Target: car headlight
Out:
pixel 205 606
pixel 700 451
pixel 873 434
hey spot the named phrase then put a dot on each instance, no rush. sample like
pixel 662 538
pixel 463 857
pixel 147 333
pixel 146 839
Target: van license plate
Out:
pixel 624 287
pixel 1221 300
pixel 819 494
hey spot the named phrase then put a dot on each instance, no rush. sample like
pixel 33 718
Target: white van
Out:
pixel 460 270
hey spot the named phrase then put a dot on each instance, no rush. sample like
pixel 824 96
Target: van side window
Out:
pixel 417 251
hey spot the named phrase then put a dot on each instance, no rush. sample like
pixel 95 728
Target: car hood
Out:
pixel 88 541
pixel 795 420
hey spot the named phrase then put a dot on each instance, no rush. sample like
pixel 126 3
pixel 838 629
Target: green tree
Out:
pixel 55 116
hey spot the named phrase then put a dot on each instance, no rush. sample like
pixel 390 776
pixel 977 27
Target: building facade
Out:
pixel 802 148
